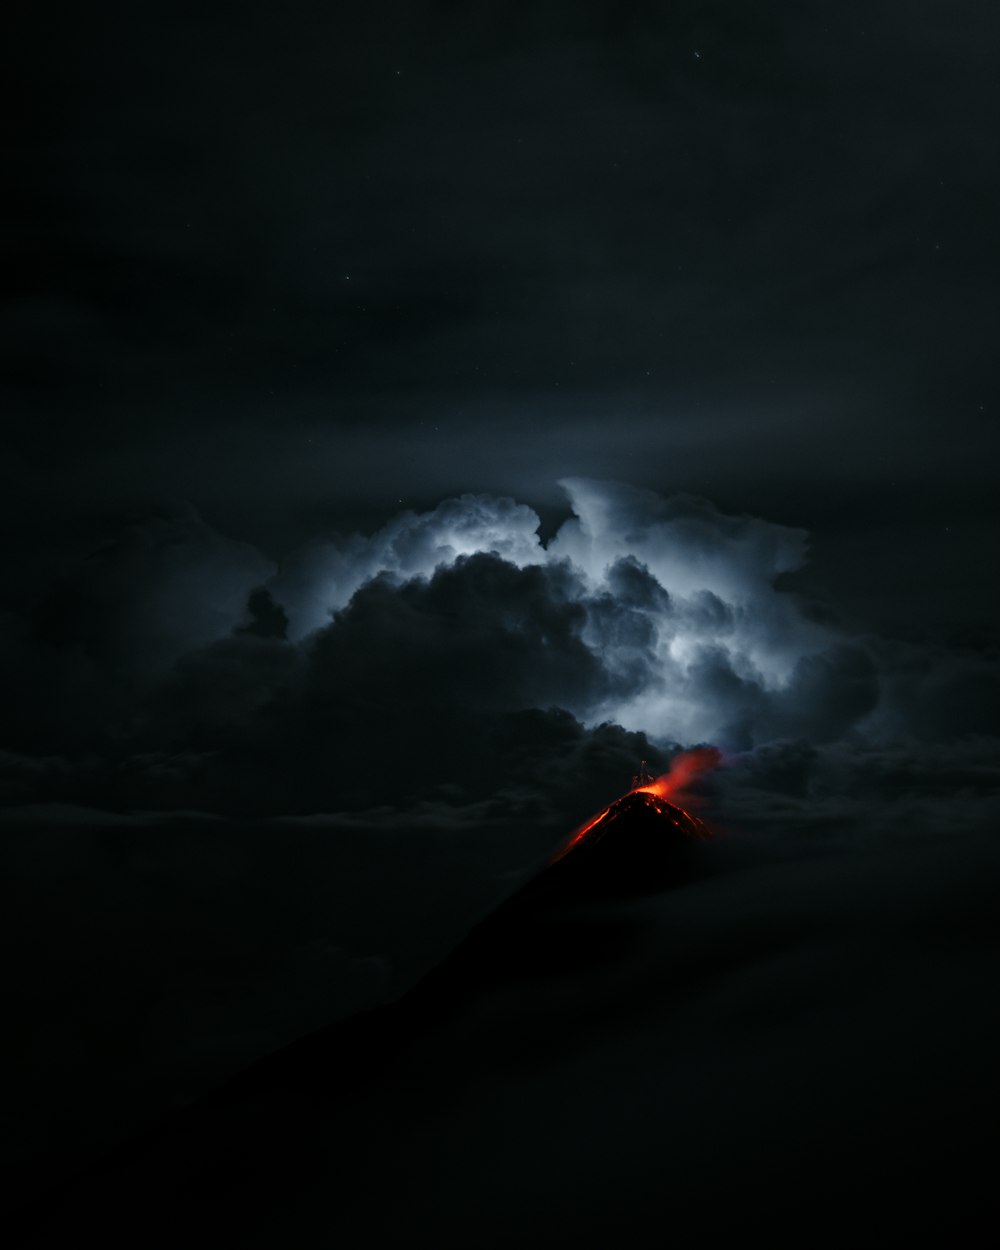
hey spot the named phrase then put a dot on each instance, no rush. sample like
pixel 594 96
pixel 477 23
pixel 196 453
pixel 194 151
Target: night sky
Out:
pixel 417 414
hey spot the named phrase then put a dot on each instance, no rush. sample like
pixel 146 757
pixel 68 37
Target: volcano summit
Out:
pixel 641 832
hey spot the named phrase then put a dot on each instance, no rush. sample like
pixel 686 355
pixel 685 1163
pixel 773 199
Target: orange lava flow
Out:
pixel 578 837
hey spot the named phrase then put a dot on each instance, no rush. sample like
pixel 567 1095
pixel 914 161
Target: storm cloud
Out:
pixel 177 668
pixel 677 604
pixel 180 668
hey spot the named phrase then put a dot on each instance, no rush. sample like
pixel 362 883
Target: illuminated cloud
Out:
pixel 679 608
pixel 177 669
pixel 323 577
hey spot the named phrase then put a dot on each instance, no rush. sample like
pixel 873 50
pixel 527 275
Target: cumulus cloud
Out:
pixel 323 577
pixel 677 605
pixel 180 668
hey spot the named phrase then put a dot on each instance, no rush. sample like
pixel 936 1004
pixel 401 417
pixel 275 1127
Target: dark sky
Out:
pixel 282 281
pixel 296 264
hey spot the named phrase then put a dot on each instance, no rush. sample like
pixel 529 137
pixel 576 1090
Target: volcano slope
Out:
pixel 659 1039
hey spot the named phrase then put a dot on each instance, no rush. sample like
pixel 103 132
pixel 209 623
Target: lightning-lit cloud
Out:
pixel 178 668
pixel 679 603
pixel 323 577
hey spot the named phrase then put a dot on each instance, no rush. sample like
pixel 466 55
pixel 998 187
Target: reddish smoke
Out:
pixel 684 769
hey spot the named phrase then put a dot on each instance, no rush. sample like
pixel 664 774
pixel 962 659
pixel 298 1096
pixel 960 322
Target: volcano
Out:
pixel 652 1040
pixel 639 834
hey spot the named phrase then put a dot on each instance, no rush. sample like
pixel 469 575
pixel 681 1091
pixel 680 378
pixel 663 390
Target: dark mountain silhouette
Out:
pixel 638 1046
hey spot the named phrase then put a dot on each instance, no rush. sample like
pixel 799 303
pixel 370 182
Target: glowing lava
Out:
pixel 579 835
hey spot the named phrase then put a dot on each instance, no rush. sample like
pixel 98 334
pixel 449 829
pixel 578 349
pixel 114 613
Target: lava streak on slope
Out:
pixel 579 835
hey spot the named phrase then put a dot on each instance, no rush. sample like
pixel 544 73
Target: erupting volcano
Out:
pixel 643 822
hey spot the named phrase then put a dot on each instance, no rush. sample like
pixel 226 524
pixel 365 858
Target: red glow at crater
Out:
pixel 684 769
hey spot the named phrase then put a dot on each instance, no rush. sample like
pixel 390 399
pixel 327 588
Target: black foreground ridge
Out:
pixel 250 1143
pixel 634 1036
